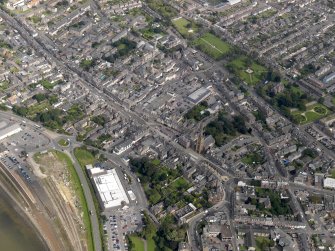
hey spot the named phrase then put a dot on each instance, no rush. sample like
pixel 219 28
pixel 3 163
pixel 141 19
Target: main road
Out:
pixel 89 200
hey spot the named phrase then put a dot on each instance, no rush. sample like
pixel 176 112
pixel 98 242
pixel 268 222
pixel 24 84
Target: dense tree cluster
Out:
pixel 124 47
pixel 163 184
pixel 170 233
pixel 40 97
pixel 100 120
pixel 310 152
pixel 224 127
pixel 278 206
pixel 291 97
pixel 197 112
pixel 52 118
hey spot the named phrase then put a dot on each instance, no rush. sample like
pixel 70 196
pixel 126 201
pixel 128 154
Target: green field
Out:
pixel 138 243
pixel 212 46
pixel 312 113
pixel 247 70
pixel 185 27
pixel 84 157
pixel 151 245
pixel 179 183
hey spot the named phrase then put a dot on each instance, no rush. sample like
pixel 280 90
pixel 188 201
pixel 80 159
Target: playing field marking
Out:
pixel 213 46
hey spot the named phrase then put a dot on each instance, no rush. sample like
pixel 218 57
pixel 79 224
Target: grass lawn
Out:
pixel 212 46
pixel 4 85
pixel 263 243
pixel 62 157
pixel 84 157
pixel 252 158
pixel 247 70
pixel 138 243
pixel 185 27
pixel 179 183
pixel 153 195
pixel 149 232
pixel 151 245
pixel 313 112
pixel 63 142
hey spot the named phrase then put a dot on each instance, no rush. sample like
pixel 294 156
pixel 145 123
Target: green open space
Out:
pixel 198 112
pixel 263 243
pixel 152 32
pixel 148 235
pixel 84 156
pixel 312 113
pixel 4 85
pixel 212 46
pixel 247 70
pixel 137 243
pixel 124 47
pixel 185 27
pixel 253 158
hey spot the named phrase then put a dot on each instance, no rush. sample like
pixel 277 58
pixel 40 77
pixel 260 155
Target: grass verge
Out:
pixel 80 194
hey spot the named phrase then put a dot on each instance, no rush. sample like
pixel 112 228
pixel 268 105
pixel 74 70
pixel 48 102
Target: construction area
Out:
pixel 53 168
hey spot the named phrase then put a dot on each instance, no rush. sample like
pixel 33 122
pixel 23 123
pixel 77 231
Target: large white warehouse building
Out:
pixel 109 187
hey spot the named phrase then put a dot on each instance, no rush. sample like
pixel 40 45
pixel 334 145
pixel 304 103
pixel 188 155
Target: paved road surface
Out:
pixel 89 201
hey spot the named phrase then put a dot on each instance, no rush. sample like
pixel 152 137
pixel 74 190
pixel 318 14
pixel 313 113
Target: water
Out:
pixel 15 232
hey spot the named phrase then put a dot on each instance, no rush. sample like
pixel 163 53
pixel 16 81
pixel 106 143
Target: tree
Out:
pixel 321 100
pixel 39 97
pixel 100 120
pixel 310 152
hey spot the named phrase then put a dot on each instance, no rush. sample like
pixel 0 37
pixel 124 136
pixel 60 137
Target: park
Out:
pixel 313 112
pixel 212 46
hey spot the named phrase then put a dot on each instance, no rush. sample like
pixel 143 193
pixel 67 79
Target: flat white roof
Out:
pixel 329 182
pixel 94 170
pixel 199 95
pixel 110 189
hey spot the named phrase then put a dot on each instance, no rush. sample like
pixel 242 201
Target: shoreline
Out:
pixel 19 213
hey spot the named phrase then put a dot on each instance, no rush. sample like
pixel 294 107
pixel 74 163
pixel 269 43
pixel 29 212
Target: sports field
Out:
pixel 212 45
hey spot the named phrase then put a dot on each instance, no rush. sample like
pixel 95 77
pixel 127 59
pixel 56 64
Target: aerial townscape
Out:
pixel 165 125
